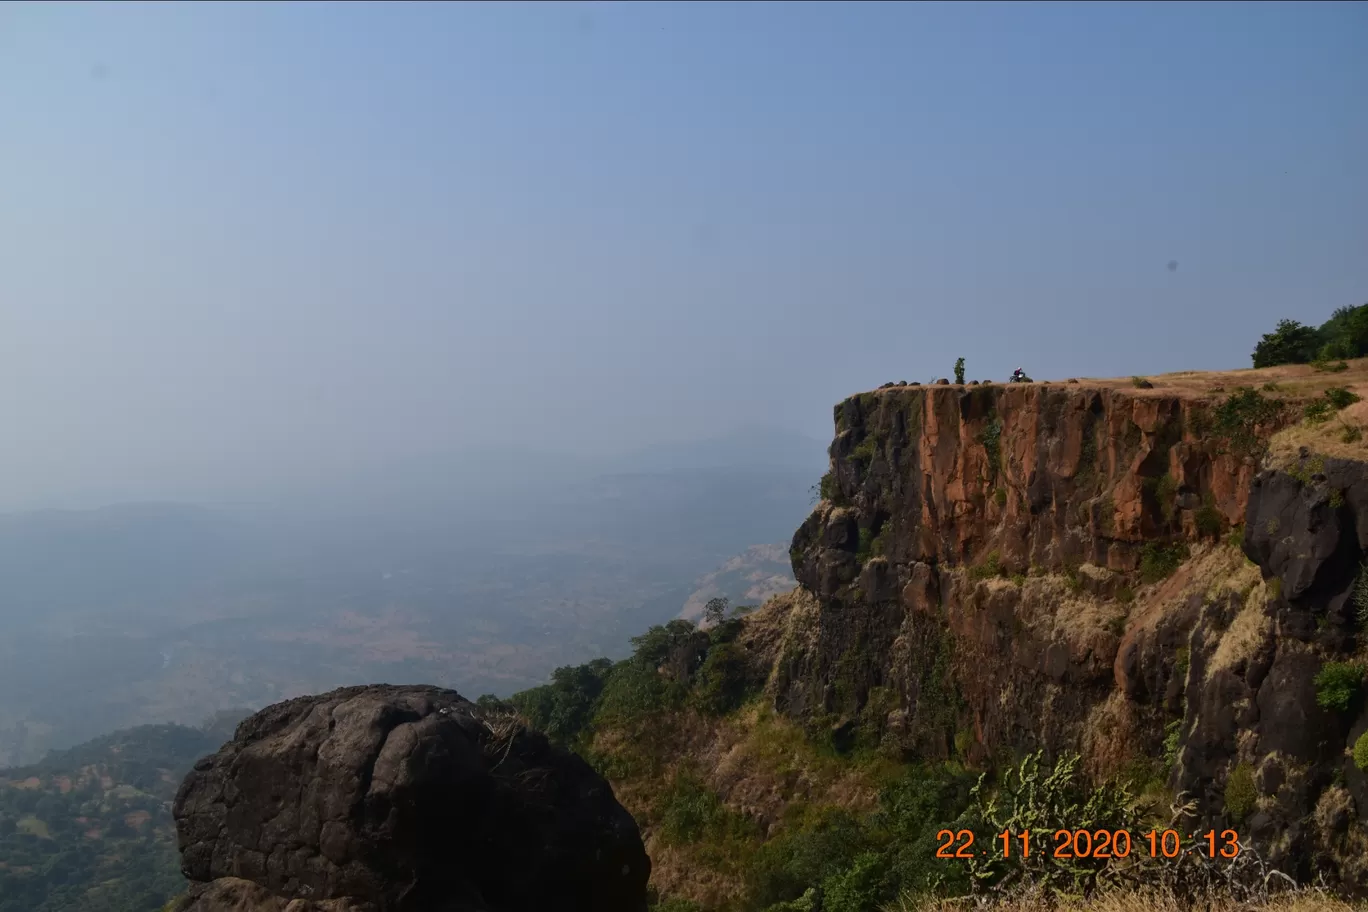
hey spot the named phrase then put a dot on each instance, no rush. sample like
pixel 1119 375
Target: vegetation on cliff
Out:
pixel 89 829
pixel 1344 335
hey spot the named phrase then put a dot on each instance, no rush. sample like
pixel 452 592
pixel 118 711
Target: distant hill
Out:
pixel 89 829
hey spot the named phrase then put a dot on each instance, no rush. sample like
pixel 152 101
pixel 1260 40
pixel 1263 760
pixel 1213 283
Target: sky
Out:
pixel 247 246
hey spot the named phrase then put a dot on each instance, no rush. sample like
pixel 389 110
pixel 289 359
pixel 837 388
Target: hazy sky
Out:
pixel 243 244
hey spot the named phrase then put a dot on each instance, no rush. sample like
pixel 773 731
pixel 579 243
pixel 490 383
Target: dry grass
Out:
pixel 1133 901
pixel 1331 438
pixel 1248 630
pixel 1289 381
pixel 1292 381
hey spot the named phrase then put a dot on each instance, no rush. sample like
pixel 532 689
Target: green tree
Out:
pixel 715 611
pixel 959 370
pixel 1290 343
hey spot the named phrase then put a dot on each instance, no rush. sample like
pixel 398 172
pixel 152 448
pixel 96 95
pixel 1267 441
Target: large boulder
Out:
pixel 394 798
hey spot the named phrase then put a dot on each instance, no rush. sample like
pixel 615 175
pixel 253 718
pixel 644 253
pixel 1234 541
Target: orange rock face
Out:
pixel 1045 476
pixel 976 562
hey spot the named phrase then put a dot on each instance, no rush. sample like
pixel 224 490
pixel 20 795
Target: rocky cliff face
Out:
pixel 999 569
pixel 384 799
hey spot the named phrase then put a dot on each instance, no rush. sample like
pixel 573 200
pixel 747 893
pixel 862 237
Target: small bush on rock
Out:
pixel 1361 752
pixel 1240 794
pixel 1338 685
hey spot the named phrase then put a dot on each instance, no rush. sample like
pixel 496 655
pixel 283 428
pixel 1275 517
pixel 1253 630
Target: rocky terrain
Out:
pixel 401 798
pixel 1117 570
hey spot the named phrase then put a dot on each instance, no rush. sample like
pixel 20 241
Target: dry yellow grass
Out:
pixel 1291 381
pixel 1134 901
pixel 1344 436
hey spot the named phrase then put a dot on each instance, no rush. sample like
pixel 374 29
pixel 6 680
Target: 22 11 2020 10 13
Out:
pixel 1089 843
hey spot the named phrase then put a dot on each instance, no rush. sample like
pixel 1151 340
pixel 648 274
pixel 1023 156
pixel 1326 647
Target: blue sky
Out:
pixel 242 245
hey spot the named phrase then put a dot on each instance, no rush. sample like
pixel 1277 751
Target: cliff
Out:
pixel 401 798
pixel 1068 567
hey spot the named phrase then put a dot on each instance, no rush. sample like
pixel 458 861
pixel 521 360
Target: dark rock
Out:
pixel 402 798
pixel 1291 530
pixel 1144 385
pixel 942 382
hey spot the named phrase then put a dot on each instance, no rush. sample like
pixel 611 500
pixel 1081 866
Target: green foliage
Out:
pixel 1159 561
pixel 715 610
pixel 805 855
pixel 1173 736
pixel 688 812
pixel 1360 597
pixel 1289 343
pixel 865 449
pixel 1029 798
pixel 1338 685
pixel 1361 753
pixel 991 566
pixel 1239 416
pixel 860 887
pixel 96 834
pixel 1318 411
pixel 1344 335
pixel 722 683
pixel 864 546
pixel 959 370
pixel 1000 497
pixel 1351 433
pixel 1330 367
pixel 829 489
pixel 1340 397
pixel 1241 797
pixel 1164 490
pixel 674 905
pixel 563 708
pixel 991 438
pixel 1208 519
pixel 1182 658
pixel 1141 383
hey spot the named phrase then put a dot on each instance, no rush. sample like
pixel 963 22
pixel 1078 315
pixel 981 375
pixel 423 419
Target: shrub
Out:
pixel 1173 736
pixel 865 449
pixel 1028 798
pixel 1241 796
pixel 1361 752
pixel 1141 383
pixel 1318 411
pixel 959 370
pixel 1338 684
pixel 1159 561
pixel 689 811
pixel 1360 597
pixel 1330 367
pixel 991 566
pixel 722 682
pixel 1208 519
pixel 1239 416
pixel 1351 433
pixel 991 438
pixel 860 887
pixel 1340 397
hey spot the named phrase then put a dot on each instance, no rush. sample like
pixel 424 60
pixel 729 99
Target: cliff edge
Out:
pixel 1125 571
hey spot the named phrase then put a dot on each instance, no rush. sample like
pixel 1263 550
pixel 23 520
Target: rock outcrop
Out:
pixel 388 799
pixel 999 569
